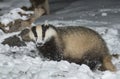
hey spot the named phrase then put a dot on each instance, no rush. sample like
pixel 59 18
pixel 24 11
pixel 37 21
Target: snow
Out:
pixel 14 15
pixel 27 67
pixel 25 63
pixel 104 14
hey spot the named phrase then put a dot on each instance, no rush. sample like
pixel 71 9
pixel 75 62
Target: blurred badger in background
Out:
pixel 41 4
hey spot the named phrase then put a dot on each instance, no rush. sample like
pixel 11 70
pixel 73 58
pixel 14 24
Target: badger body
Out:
pixel 74 44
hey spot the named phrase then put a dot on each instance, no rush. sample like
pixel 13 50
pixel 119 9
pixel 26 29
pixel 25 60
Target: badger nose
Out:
pixel 39 44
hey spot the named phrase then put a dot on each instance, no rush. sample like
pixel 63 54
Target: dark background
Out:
pixel 73 9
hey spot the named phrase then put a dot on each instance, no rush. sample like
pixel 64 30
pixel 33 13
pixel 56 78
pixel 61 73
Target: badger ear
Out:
pixel 45 26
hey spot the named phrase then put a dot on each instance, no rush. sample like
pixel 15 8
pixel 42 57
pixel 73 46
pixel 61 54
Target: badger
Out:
pixel 77 44
pixel 41 3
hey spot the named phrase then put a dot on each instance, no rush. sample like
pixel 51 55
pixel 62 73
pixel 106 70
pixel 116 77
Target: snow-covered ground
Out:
pixel 14 15
pixel 100 15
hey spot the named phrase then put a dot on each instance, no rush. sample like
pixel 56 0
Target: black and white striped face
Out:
pixel 41 34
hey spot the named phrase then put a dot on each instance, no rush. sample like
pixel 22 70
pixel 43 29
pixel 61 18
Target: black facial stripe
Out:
pixel 34 31
pixel 2 29
pixel 44 28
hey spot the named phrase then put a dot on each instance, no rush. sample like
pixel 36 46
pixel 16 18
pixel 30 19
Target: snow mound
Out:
pixel 35 68
pixel 14 15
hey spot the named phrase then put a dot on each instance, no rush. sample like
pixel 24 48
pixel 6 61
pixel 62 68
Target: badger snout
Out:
pixel 39 43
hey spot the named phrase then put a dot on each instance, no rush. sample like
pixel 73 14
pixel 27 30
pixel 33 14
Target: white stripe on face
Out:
pixel 41 39
pixel 50 33
pixel 45 33
pixel 39 34
pixel 36 33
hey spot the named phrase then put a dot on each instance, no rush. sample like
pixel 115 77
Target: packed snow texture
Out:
pixel 25 63
pixel 14 15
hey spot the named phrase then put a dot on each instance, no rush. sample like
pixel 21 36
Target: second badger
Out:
pixel 74 44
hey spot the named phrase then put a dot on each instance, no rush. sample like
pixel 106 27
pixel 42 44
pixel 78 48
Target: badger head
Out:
pixel 42 33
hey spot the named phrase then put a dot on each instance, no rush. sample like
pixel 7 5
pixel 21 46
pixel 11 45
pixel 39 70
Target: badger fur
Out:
pixel 74 44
